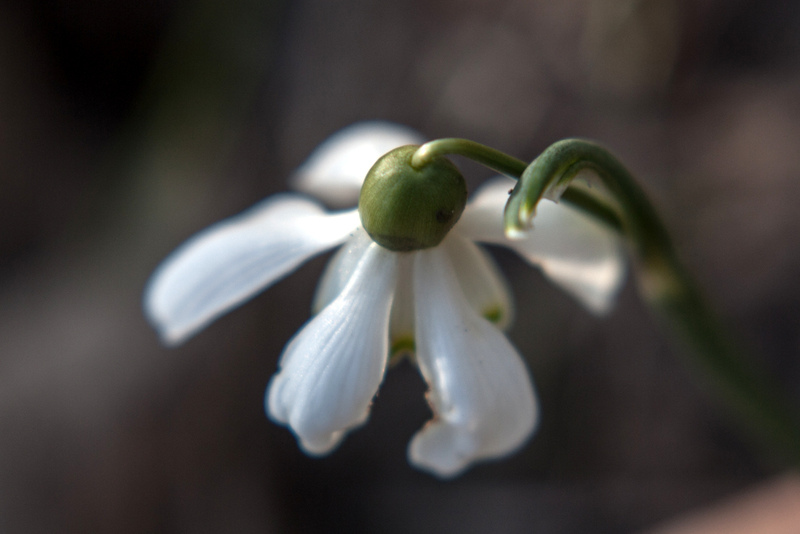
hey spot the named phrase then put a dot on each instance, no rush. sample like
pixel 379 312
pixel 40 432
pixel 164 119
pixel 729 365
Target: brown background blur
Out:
pixel 127 126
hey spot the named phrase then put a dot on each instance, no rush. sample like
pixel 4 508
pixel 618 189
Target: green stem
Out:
pixel 663 281
pixel 666 286
pixel 511 167
pixel 494 159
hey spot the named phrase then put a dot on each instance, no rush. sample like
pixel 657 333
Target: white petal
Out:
pixel 336 169
pixel 339 269
pixel 482 282
pixel 401 328
pixel 482 219
pixel 231 261
pixel 331 370
pixel 480 391
pixel 338 272
pixel 581 255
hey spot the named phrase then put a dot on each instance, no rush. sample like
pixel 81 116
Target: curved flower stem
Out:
pixel 511 167
pixel 494 159
pixel 663 281
pixel 664 284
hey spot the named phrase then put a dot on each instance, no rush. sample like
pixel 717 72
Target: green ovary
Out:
pixel 405 209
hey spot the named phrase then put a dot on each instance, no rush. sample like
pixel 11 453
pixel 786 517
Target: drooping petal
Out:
pixel 336 169
pixel 231 261
pixel 331 370
pixel 480 391
pixel 581 255
pixel 339 269
pixel 482 282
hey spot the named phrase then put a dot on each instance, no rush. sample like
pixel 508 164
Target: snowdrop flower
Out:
pixel 408 278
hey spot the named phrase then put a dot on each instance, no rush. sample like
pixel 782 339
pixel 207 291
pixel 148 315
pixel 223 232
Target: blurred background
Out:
pixel 127 126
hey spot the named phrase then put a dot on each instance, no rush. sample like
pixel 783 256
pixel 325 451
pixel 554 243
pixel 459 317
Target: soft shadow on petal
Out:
pixel 231 261
pixel 336 169
pixel 582 256
pixel 480 391
pixel 482 282
pixel 401 328
pixel 482 219
pixel 331 370
pixel 585 258
pixel 339 269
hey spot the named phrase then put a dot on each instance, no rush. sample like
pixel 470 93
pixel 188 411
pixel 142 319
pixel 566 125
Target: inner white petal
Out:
pixel 480 392
pixel 331 370
pixel 231 261
pixel 483 284
pixel 401 329
pixel 336 169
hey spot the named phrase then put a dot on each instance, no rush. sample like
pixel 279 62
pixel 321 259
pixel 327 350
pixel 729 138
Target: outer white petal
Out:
pixel 482 219
pixel 331 370
pixel 336 169
pixel 231 261
pixel 338 272
pixel 482 282
pixel 480 391
pixel 583 257
pixel 339 269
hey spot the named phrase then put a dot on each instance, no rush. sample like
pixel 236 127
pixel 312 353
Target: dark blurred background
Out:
pixel 127 126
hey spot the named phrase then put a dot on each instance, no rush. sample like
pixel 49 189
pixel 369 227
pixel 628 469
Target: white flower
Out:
pixel 447 303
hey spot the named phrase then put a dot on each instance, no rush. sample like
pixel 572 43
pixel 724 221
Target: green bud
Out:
pixel 403 208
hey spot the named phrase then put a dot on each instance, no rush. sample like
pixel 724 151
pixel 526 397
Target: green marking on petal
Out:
pixel 494 314
pixel 401 347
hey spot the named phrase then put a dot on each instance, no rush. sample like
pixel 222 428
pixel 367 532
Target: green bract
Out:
pixel 403 208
